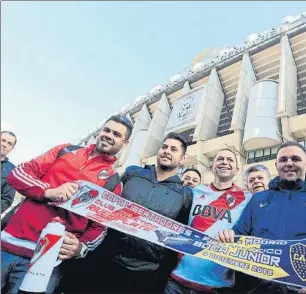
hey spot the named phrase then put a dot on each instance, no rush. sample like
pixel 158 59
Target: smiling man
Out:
pixel 278 213
pixel 138 266
pixel 257 178
pixel 214 207
pixel 191 177
pixel 51 177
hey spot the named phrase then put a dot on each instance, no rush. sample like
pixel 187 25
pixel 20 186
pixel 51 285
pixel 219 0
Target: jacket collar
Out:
pixel 173 179
pixel 103 156
pixel 281 184
pixel 5 159
pixel 232 188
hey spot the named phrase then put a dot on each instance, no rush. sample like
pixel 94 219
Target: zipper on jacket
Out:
pixel 286 213
pixel 151 195
pixel 290 195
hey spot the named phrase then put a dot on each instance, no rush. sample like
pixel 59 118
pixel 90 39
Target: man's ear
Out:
pixel 125 143
pixel 183 157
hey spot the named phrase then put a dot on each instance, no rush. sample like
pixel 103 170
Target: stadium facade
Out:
pixel 249 98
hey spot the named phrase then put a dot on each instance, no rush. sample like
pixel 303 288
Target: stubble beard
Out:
pixel 225 178
pixel 167 168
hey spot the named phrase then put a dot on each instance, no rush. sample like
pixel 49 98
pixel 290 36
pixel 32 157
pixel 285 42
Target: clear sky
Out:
pixel 68 65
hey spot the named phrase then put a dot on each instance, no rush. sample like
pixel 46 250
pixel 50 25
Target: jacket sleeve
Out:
pixel 129 172
pixel 7 197
pixel 26 177
pixel 244 224
pixel 185 211
pixel 95 233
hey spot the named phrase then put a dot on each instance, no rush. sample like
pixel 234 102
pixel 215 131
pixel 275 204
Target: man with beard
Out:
pixel 140 266
pixel 257 178
pixel 277 213
pixel 214 207
pixel 191 177
pixel 50 177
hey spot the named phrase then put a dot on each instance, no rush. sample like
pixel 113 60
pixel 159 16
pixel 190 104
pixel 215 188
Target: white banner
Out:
pixel 280 260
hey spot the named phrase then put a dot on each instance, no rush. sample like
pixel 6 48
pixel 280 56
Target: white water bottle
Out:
pixel 45 258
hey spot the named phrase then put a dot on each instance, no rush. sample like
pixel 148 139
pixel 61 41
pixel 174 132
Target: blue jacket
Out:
pixel 277 213
pixel 7 192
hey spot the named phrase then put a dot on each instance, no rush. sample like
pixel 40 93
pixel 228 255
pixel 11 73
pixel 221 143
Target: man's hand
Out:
pixel 225 236
pixel 303 290
pixel 71 247
pixel 61 193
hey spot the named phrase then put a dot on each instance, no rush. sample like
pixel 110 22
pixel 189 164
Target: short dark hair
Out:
pixel 120 119
pixel 11 134
pixel 230 150
pixel 255 168
pixel 178 137
pixel 291 144
pixel 193 170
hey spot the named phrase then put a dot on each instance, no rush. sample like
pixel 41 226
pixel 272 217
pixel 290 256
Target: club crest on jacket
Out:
pixel 85 195
pixel 230 199
pixel 103 174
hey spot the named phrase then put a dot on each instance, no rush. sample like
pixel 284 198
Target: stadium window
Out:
pixel 273 153
pixel 251 156
pixel 223 127
pixel 223 116
pixel 262 155
pixel 258 155
pixel 266 154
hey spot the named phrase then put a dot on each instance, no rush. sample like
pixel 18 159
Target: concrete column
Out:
pixel 157 127
pixel 287 85
pixel 211 108
pixel 247 79
pixel 287 88
pixel 131 155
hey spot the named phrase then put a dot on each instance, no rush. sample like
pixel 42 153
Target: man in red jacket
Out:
pixel 51 178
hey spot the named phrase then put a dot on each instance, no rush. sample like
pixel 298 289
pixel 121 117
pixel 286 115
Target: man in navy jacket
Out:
pixel 278 213
pixel 8 142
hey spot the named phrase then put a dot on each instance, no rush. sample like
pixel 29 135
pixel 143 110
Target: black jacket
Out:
pixel 168 198
pixel 7 192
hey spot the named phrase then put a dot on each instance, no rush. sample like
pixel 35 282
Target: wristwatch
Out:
pixel 83 251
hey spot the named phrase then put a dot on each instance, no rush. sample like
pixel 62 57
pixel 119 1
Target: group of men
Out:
pixel 102 260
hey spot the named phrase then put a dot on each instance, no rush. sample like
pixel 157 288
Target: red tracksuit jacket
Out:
pixel 32 178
